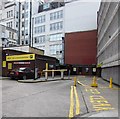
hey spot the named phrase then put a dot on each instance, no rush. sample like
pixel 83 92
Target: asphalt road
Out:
pixel 58 98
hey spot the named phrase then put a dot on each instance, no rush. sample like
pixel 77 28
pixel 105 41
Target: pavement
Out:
pixel 60 98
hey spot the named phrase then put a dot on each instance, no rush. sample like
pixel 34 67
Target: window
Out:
pixel 40 19
pixel 22 15
pixel 55 49
pixel 23 7
pixel 56 26
pixel 26 23
pixel 26 32
pixel 11 24
pixel 26 15
pixel 10 14
pixel 40 29
pixel 56 15
pixel 35 40
pixel 26 5
pixel 22 33
pixel 16 24
pixel 12 35
pixel 26 42
pixel 9 34
pixel 56 37
pixel 22 24
pixel 17 14
pixel 22 42
pixel 39 39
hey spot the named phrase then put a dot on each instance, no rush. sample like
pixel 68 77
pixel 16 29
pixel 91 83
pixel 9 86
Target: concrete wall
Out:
pixel 108 40
pixel 113 72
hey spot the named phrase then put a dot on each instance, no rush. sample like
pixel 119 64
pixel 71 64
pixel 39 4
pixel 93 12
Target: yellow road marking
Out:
pixel 71 112
pixel 77 102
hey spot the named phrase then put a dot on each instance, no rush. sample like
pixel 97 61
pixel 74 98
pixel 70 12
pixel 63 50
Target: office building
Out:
pixel 48 29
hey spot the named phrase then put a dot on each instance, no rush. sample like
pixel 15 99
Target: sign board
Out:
pixel 9 65
pixel 4 63
pixel 20 57
pixel 74 69
pixel 94 69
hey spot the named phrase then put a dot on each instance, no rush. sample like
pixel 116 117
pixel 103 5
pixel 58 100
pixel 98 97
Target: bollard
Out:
pixel 111 86
pixel 75 81
pixel 94 83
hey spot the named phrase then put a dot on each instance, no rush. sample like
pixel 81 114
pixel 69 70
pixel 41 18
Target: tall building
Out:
pixel 9 14
pixel 81 36
pixel 27 9
pixel 48 29
pixel 108 52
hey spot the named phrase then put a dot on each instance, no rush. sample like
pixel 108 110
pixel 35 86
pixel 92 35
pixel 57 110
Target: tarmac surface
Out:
pixel 59 98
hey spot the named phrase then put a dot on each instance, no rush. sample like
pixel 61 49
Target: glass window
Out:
pixel 23 24
pixel 22 7
pixel 26 14
pixel 11 13
pixel 22 42
pixel 22 33
pixel 22 15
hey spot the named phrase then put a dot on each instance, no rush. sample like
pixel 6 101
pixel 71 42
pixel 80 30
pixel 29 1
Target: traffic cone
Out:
pixel 94 83
pixel 111 86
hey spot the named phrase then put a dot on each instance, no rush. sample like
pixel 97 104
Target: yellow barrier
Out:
pixel 94 83
pixel 75 81
pixel 111 86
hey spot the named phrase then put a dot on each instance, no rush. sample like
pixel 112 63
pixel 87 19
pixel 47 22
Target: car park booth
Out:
pixel 17 59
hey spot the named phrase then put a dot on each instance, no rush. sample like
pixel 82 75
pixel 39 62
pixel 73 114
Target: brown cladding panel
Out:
pixel 81 48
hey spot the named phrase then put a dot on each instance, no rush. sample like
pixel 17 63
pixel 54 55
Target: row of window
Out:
pixel 53 16
pixel 10 24
pixel 40 29
pixel 55 49
pixel 56 37
pixel 25 15
pixel 25 43
pixel 10 13
pixel 56 26
pixel 11 35
pixel 40 19
pixel 25 32
pixel 40 39
pixel 56 15
pixel 25 6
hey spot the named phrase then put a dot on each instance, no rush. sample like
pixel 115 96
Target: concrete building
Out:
pixel 27 8
pixel 17 15
pixel 48 31
pixel 108 53
pixel 9 14
pixel 81 36
pixel 8 36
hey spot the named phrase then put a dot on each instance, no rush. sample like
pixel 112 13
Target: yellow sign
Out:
pixel 9 65
pixel 20 57
pixel 4 63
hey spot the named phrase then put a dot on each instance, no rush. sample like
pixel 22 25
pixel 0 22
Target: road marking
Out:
pixel 100 103
pixel 71 112
pixel 77 102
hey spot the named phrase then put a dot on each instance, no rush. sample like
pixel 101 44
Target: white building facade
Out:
pixel 49 32
pixel 8 36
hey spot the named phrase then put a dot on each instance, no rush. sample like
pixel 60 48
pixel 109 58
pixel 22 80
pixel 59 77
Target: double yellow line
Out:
pixel 71 111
